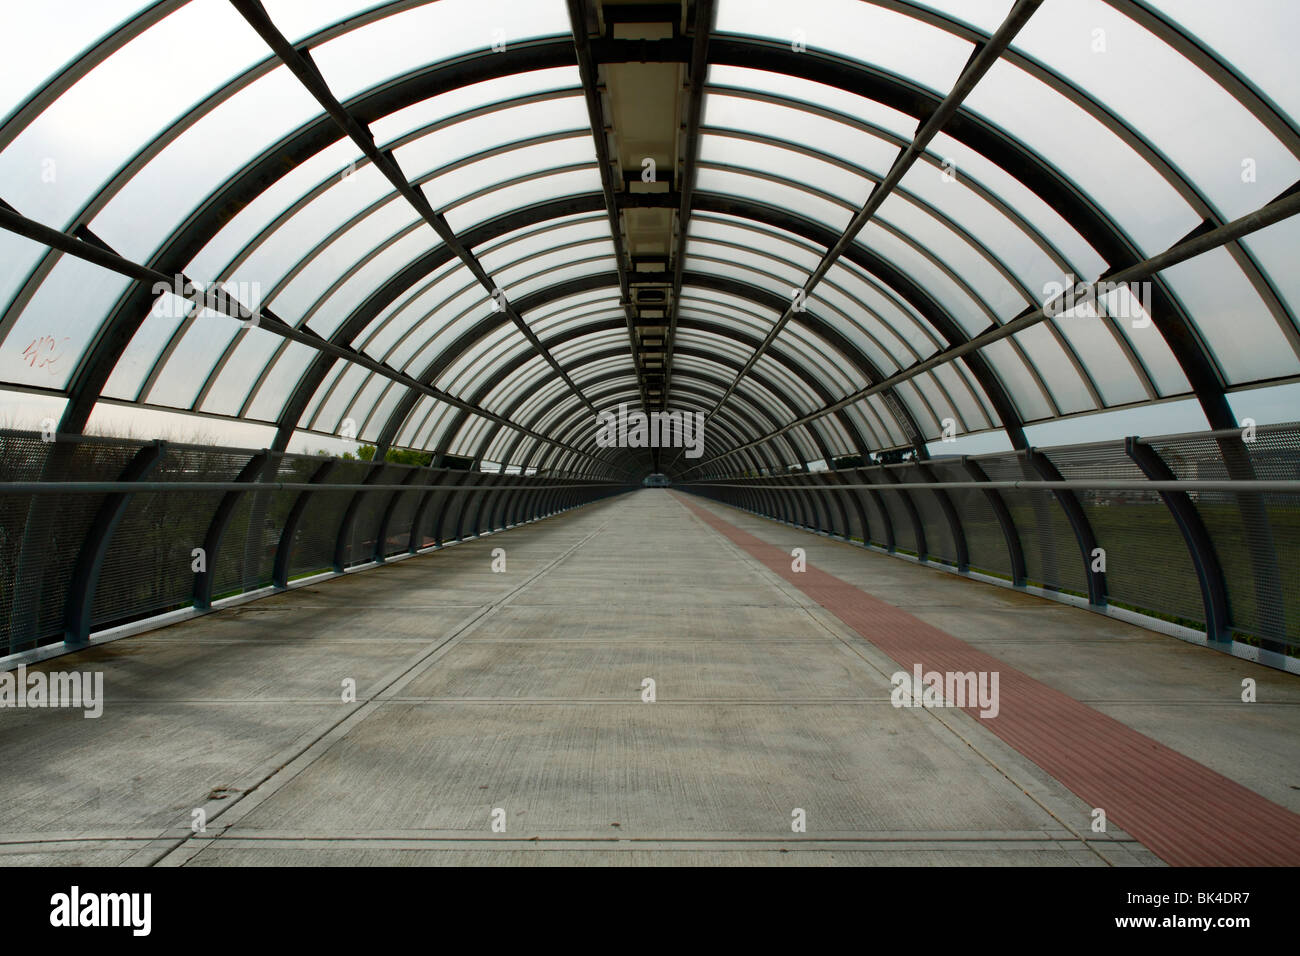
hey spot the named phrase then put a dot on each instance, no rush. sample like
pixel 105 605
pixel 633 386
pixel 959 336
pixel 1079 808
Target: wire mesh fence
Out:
pixel 168 526
pixel 1223 559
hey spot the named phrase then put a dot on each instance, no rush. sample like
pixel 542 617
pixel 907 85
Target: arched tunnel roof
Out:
pixel 831 228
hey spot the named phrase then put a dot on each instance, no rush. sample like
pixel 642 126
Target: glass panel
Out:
pixel 804 255
pixel 331 313
pixel 66 28
pixel 251 353
pixel 184 174
pixel 54 157
pixel 343 199
pixel 866 150
pixel 330 416
pixel 1117 178
pixel 328 164
pixel 999 295
pixel 796 168
pixel 534 242
pixel 475 96
pixel 860 31
pixel 295 300
pixel 200 347
pixel 1102 356
pixel 788 198
pixel 138 358
pixel 364 402
pixel 374 426
pixel 322 390
pixel 949 295
pixel 968 397
pixel 987 15
pixel 895 316
pixel 538 188
pixel 1260 45
pixel 1148 342
pixel 966 163
pixel 1055 369
pixel 407 432
pixel 1274 249
pixel 429 34
pixel 1177 104
pixel 825 97
pixel 18 256
pixel 1002 236
pixel 1243 335
pixel 531 277
pixel 278 385
pixel 1017 381
pixel 479 134
pixel 48 340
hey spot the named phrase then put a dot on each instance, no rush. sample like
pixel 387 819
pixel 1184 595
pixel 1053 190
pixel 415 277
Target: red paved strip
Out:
pixel 1184 812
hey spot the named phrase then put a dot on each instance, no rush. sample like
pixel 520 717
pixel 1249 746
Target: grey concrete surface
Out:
pixel 523 691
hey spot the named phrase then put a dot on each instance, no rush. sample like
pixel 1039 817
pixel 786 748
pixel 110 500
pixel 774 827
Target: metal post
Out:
pixel 90 559
pixel 1205 559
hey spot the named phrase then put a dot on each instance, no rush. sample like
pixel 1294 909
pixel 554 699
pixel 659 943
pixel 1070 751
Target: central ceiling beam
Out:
pixel 699 66
pixel 587 69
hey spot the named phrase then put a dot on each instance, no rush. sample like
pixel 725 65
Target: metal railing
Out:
pixel 97 533
pixel 1200 530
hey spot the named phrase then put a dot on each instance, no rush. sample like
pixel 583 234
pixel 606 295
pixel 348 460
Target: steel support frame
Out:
pixel 255 471
pixel 1200 546
pixel 79 606
pixel 1079 523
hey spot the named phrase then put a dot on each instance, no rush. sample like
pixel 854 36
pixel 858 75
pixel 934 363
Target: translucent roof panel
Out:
pixel 1105 133
pixel 864 32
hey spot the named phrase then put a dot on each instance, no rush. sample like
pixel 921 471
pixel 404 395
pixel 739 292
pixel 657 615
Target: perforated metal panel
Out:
pixel 1052 556
pixel 1256 536
pixel 149 565
pixel 1147 561
pixel 985 542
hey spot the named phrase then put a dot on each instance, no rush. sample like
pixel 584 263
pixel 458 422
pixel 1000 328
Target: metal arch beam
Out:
pixel 276 161
pixel 568 418
pixel 572 426
pixel 789 360
pixel 804 66
pixel 1200 545
pixel 399 285
pixel 1033 171
pixel 304 68
pixel 768 414
pixel 77 616
pixel 567 424
pixel 88 247
pixel 754 401
pixel 499 375
pixel 984 57
pixel 264 171
pixel 589 283
pixel 1010 534
pixel 261 467
pixel 1285 206
pixel 899 282
pixel 819 327
pixel 1082 527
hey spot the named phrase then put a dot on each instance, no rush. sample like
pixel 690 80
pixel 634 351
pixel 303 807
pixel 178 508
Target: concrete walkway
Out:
pixel 522 692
